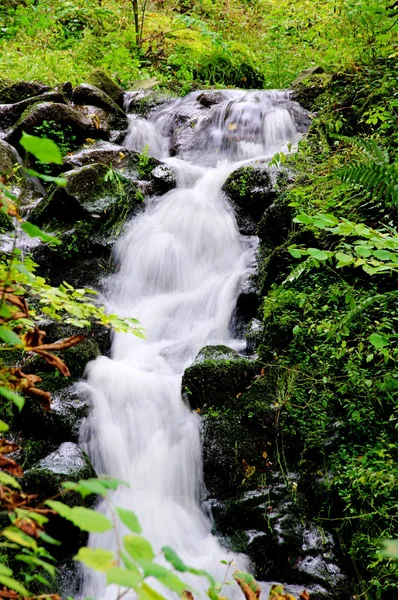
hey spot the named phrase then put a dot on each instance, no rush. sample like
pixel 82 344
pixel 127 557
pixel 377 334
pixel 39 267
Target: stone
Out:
pixel 251 189
pixel 87 93
pixel 102 81
pixel 79 122
pixel 27 189
pixel 253 335
pixel 10 113
pixel 120 158
pixel 216 377
pixel 67 463
pixel 275 224
pixel 10 93
pixel 307 73
pixel 164 178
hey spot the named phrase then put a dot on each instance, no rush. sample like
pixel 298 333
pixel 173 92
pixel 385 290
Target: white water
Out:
pixel 182 262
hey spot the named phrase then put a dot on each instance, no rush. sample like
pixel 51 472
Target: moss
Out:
pixel 102 81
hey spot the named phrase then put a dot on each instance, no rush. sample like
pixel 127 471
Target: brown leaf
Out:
pixel 187 595
pixel 9 465
pixel 28 526
pixel 41 396
pixel 6 593
pixel 14 500
pixel 249 592
pixel 304 595
pixel 62 344
pixel 33 338
pixel 55 361
pixel 6 447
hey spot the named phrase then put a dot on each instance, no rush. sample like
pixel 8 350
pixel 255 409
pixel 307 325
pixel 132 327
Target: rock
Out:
pixel 8 158
pixel 143 102
pixel 120 158
pixel 164 177
pixel 67 463
pixel 307 73
pixel 251 189
pixel 145 84
pixel 87 93
pixel 10 93
pixel 93 193
pixel 275 224
pixel 10 113
pixel 208 99
pixel 253 335
pixel 102 81
pixel 216 377
pixel 61 423
pixel 26 189
pixel 80 124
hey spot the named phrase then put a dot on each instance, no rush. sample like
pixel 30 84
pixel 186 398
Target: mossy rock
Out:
pixel 102 81
pixel 10 93
pixel 309 86
pixel 250 191
pixel 275 224
pixel 93 193
pixel 10 113
pixel 216 377
pixel 87 93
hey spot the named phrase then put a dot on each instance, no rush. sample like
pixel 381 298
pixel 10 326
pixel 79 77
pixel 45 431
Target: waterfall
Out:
pixel 182 262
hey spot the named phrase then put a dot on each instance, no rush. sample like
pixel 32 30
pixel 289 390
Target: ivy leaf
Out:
pixel 95 558
pixel 295 252
pixel 129 519
pixel 379 341
pixel 318 254
pixel 42 148
pixel 124 577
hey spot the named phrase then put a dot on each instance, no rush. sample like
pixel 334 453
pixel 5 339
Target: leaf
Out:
pixel 249 586
pixel 344 259
pixel 35 232
pixel 84 518
pixel 302 218
pixel 138 547
pixel 179 565
pixel 378 341
pixel 129 519
pixel 9 337
pixel 295 252
pixel 6 479
pixel 3 426
pixel 164 576
pixel 15 535
pixel 18 400
pixel 5 570
pixel 95 558
pixel 61 181
pixel 124 577
pixel 147 593
pixel 85 487
pixel 42 148
pixel 390 548
pixel 14 585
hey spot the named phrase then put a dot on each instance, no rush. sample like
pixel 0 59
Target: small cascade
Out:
pixel 182 262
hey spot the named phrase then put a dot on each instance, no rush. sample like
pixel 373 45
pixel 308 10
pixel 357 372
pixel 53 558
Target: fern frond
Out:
pixel 380 179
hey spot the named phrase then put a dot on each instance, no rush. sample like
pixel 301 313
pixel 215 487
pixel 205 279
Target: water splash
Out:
pixel 182 263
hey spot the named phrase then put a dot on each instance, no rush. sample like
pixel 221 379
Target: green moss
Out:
pixel 105 83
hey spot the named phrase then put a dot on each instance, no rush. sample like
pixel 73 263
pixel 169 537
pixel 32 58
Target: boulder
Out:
pixel 8 158
pixel 25 188
pixel 216 377
pixel 253 335
pixel 80 123
pixel 67 463
pixel 164 178
pixel 102 81
pixel 250 191
pixel 10 93
pixel 307 73
pixel 10 113
pixel 120 158
pixel 87 93
pixel 275 224
pixel 95 194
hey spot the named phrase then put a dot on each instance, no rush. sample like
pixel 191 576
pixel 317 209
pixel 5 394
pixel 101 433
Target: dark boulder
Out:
pixel 102 81
pixel 275 224
pixel 10 93
pixel 10 113
pixel 89 94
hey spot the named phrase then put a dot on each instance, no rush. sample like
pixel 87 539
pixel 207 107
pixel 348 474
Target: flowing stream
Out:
pixel 181 264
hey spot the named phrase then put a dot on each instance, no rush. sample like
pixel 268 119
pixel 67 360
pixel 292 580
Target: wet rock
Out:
pixel 307 73
pixel 87 93
pixel 79 122
pixel 275 224
pixel 164 178
pixel 10 113
pixel 102 81
pixel 208 99
pixel 67 463
pixel 8 158
pixel 251 189
pixel 118 157
pixel 61 423
pixel 92 194
pixel 142 102
pixel 26 189
pixel 216 376
pixel 10 93
pixel 253 335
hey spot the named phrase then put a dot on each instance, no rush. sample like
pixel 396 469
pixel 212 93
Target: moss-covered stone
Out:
pixel 215 380
pixel 10 113
pixel 102 81
pixel 251 189
pixel 11 93
pixel 87 93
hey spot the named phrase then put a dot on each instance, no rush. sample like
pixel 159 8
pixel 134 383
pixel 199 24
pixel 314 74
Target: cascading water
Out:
pixel 182 262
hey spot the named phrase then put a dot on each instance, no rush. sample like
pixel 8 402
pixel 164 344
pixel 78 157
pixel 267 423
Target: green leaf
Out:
pixel 18 400
pixel 129 519
pixel 33 560
pixel 318 254
pixel 6 479
pixel 344 259
pixel 35 232
pixel 42 148
pixel 124 577
pixel 3 426
pixel 84 518
pixel 164 576
pixel 61 181
pixel 48 539
pixel 379 341
pixel 85 487
pixel 295 252
pixel 14 585
pixel 5 570
pixel 95 558
pixel 147 593
pixel 9 337
pixel 390 548
pixel 138 547
pixel 179 565
pixel 22 539
pixel 304 219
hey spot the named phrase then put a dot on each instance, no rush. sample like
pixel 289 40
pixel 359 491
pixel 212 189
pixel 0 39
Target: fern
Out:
pixel 377 175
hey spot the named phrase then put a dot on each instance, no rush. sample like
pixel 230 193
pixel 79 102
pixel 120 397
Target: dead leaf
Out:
pixel 33 338
pixel 6 447
pixel 55 361
pixel 251 590
pixel 304 595
pixel 28 526
pixel 9 465
pixel 61 345
pixel 187 595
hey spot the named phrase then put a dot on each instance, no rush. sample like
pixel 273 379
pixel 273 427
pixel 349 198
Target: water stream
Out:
pixel 181 264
